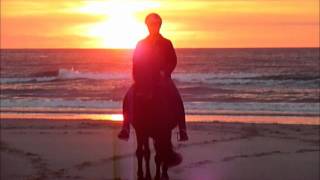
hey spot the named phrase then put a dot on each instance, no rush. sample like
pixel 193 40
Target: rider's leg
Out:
pixel 127 108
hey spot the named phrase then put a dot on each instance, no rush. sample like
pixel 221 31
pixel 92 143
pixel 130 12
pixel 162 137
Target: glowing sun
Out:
pixel 121 28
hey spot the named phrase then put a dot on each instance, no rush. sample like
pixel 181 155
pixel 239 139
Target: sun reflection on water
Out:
pixel 114 117
pixel 63 116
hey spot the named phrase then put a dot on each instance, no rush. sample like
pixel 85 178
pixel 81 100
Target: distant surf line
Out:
pixel 311 120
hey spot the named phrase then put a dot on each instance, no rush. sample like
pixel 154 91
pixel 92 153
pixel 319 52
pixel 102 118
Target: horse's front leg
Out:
pixel 147 158
pixel 164 175
pixel 139 154
pixel 157 159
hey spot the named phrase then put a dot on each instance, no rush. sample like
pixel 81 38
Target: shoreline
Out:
pixel 107 116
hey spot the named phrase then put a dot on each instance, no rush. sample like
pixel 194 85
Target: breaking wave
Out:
pixel 206 78
pixel 65 74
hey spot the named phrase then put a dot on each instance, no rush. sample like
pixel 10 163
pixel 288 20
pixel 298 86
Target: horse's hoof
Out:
pixel 140 178
pixel 157 177
pixel 148 177
pixel 164 176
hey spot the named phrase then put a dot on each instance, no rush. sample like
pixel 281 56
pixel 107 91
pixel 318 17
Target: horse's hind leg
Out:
pixel 157 158
pixel 164 148
pixel 147 158
pixel 158 166
pixel 139 154
pixel 160 162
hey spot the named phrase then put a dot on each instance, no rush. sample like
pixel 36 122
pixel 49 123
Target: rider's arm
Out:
pixel 171 59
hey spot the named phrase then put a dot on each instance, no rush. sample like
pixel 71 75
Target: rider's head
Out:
pixel 153 21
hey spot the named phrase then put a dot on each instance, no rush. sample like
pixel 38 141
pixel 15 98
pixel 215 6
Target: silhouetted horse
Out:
pixel 153 104
pixel 148 117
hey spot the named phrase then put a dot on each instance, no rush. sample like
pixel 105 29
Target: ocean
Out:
pixel 91 83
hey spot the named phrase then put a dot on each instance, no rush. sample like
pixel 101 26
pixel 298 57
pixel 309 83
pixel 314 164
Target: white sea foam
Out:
pixel 253 107
pixel 74 74
pixel 58 102
pixel 28 79
pixel 191 107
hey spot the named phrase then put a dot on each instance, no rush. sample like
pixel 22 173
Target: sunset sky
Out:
pixel 188 23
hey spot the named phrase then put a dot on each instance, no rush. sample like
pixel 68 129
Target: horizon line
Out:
pixel 79 48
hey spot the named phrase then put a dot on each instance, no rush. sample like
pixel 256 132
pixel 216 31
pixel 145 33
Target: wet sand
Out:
pixel 48 149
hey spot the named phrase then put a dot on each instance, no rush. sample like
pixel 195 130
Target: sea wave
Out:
pixel 288 77
pixel 194 107
pixel 65 74
pixel 243 79
pixel 207 78
pixel 59 103
pixel 71 74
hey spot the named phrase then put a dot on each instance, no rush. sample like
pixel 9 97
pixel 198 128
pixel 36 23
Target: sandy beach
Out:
pixel 48 149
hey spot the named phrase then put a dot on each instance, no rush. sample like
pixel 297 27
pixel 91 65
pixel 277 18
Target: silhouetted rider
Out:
pixel 154 60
